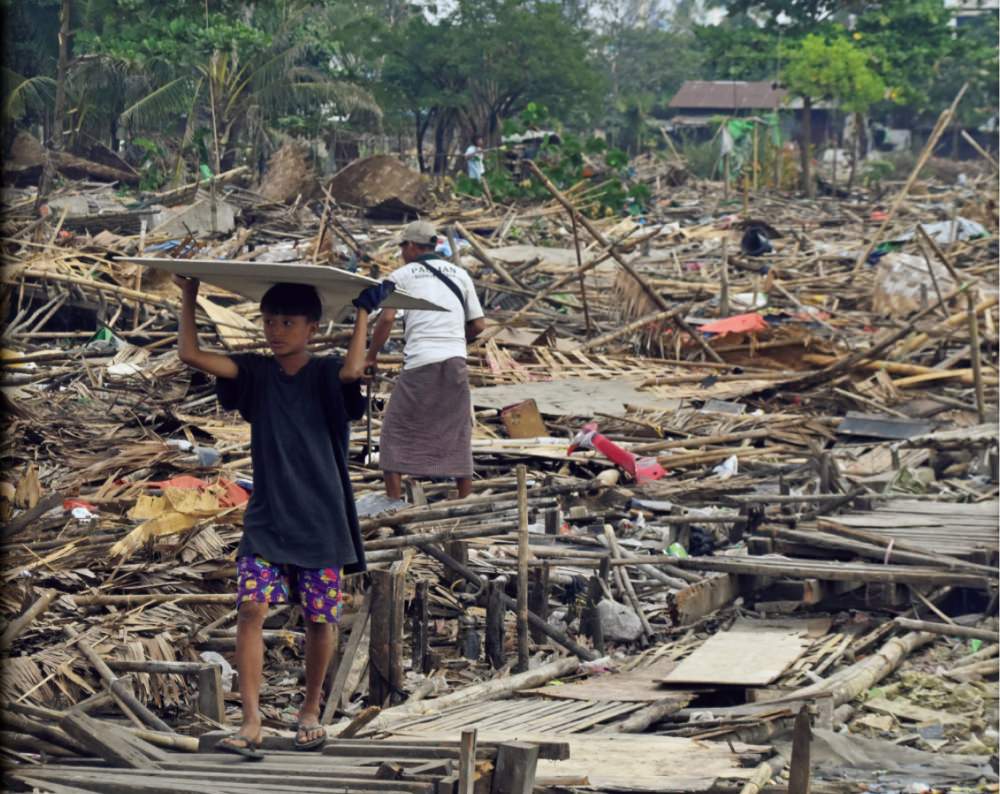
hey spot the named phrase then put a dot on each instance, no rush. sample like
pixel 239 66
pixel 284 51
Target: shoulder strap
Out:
pixel 446 281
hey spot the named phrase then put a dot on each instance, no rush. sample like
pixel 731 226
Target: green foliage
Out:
pixel 151 169
pixel 875 171
pixel 566 163
pixel 832 69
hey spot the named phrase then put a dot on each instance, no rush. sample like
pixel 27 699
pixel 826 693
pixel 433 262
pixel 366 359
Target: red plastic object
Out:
pixel 641 469
pixel 234 496
pixel 69 504
pixel 737 324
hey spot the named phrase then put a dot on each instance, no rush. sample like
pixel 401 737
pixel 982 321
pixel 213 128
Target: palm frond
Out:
pixel 168 100
pixel 306 95
pixel 24 93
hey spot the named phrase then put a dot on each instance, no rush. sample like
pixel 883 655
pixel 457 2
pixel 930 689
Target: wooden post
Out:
pixel 385 663
pixel 515 768
pixel 579 267
pixel 522 569
pixel 974 353
pixel 725 176
pixel 419 629
pixel 798 767
pixel 756 165
pixel 724 281
pixel 210 696
pixel 495 611
pixel 467 763
pixel 539 599
pixel 458 551
pixel 552 521
pixel 591 618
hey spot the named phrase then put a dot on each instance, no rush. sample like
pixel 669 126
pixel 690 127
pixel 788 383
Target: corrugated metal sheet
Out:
pixel 726 95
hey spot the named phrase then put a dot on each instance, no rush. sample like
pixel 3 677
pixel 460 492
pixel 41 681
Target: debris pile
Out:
pixel 785 511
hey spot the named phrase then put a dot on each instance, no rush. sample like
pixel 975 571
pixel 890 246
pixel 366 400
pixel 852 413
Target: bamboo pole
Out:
pixel 19 624
pixel 651 293
pixel 523 552
pixel 635 325
pixel 974 354
pixel 949 630
pixel 942 124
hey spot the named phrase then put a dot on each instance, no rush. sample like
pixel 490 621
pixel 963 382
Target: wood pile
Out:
pixel 824 543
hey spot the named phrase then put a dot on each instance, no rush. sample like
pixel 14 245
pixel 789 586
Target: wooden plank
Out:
pixel 467 762
pixel 765 649
pixel 230 781
pixel 702 598
pixel 346 662
pixel 798 767
pixel 210 695
pixel 634 685
pixel 106 741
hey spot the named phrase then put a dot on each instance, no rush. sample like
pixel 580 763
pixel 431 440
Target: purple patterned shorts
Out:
pixel 317 589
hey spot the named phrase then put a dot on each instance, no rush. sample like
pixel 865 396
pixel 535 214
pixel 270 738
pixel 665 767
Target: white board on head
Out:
pixel 336 288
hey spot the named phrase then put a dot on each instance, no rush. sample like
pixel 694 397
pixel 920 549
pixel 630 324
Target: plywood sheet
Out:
pixel 337 288
pixel 751 653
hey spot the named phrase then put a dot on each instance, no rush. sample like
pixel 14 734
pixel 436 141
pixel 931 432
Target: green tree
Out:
pixel 228 72
pixel 828 69
pixel 467 71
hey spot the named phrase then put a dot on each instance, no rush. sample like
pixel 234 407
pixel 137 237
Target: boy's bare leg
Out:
pixel 464 486
pixel 319 649
pixel 393 484
pixel 250 664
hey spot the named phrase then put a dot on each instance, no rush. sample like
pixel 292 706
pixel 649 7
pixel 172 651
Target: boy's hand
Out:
pixel 189 286
pixel 371 297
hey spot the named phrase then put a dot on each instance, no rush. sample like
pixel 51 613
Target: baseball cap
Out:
pixel 420 232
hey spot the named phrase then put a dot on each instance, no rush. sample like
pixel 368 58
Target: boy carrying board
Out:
pixel 300 529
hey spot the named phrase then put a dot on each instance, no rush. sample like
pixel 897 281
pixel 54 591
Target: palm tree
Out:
pixel 238 100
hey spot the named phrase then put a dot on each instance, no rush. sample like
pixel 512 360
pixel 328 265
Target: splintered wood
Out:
pixel 827 523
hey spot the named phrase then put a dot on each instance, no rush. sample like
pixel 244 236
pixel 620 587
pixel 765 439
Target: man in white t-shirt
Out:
pixel 474 160
pixel 427 428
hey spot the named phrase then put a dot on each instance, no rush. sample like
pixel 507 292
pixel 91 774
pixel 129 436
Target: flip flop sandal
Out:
pixel 309 744
pixel 249 749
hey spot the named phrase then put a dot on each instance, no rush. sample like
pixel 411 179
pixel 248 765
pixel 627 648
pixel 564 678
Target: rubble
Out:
pixel 830 477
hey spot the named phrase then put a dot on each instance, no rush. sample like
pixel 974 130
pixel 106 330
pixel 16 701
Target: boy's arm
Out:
pixel 354 363
pixel 383 327
pixel 187 336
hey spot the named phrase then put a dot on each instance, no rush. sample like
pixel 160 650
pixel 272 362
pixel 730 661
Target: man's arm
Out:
pixel 383 327
pixel 474 328
pixel 187 336
pixel 354 363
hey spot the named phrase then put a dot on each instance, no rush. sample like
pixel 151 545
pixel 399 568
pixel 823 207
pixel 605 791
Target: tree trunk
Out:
pixel 857 149
pixel 443 132
pixel 59 112
pixel 807 181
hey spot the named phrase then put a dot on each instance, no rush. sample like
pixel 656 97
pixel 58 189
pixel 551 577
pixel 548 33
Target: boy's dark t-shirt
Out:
pixel 301 511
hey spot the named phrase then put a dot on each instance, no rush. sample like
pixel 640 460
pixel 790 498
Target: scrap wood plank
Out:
pixel 523 714
pixel 637 762
pixel 634 685
pixel 765 649
pixel 114 745
pixel 230 781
